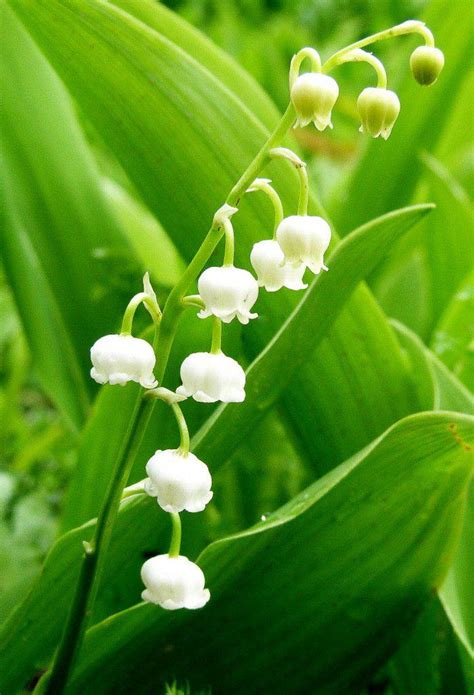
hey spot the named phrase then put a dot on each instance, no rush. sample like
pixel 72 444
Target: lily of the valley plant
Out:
pixel 176 478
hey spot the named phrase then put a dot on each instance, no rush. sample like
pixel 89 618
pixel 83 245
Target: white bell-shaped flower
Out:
pixel 314 95
pixel 273 272
pixel 304 239
pixel 117 359
pixel 378 110
pixel 174 582
pixel 179 481
pixel 228 292
pixel 209 377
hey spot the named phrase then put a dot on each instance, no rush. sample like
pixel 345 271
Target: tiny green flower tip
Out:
pixel 426 63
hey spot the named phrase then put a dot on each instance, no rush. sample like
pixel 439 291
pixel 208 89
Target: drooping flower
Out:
pixel 426 63
pixel 314 95
pixel 378 110
pixel 174 582
pixel 117 359
pixel 273 272
pixel 228 292
pixel 179 481
pixel 304 239
pixel 209 377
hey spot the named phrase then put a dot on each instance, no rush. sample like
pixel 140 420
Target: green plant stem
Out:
pixel 300 166
pixel 229 243
pixel 93 560
pixel 264 185
pixel 54 682
pixel 193 300
pixel 132 306
pixel 175 544
pixel 216 335
pixel 183 428
pixel 304 190
pixel 313 57
pixel 412 26
pixel 357 55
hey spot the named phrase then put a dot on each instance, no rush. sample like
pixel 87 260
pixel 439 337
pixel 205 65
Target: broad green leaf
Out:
pixel 453 339
pixel 419 279
pixel 173 27
pixel 145 235
pixel 321 588
pixel 60 243
pixel 184 167
pixel 451 394
pixel 388 173
pixel 428 662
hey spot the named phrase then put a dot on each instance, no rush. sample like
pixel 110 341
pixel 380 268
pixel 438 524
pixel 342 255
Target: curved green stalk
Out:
pixel 183 428
pixel 357 55
pixel 412 26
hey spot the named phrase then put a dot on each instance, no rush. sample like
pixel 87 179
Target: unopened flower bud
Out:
pixel 304 239
pixel 228 292
pixel 209 377
pixel 314 95
pixel 378 110
pixel 273 271
pixel 426 63
pixel 179 481
pixel 174 582
pixel 117 359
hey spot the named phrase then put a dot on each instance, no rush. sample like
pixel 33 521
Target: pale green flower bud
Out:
pixel 313 95
pixel 378 110
pixel 426 63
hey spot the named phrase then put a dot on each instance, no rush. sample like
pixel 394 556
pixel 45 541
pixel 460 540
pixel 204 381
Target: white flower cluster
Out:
pixel 178 480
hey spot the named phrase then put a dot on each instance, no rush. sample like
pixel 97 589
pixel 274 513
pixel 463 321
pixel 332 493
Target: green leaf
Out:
pixel 387 174
pixel 422 274
pixel 184 167
pixel 57 226
pixel 450 394
pixel 453 337
pixel 145 236
pixel 173 27
pixel 321 572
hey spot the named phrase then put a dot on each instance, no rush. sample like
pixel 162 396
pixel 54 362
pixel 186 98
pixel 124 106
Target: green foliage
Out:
pixel 124 129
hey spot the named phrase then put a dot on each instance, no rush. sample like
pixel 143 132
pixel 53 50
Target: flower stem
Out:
pixel 300 167
pixel 216 336
pixel 297 59
pixel 264 185
pixel 132 306
pixel 360 56
pixel 93 560
pixel 175 544
pixel 183 428
pixel 412 26
pixel 229 243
